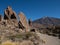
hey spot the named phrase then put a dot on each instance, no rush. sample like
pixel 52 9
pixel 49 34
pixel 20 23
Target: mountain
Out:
pixel 48 25
pixel 48 21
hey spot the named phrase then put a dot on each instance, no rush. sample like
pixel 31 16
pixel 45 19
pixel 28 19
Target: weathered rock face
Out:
pixel 23 21
pixel 10 16
pixel 9 13
pixel 20 25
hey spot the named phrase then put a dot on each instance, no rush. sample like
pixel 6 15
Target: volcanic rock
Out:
pixel 23 20
pixel 10 16
pixel 9 13
pixel 20 25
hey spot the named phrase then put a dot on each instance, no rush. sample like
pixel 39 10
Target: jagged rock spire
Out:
pixel 9 13
pixel 23 20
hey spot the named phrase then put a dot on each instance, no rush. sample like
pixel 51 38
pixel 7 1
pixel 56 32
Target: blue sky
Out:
pixel 33 9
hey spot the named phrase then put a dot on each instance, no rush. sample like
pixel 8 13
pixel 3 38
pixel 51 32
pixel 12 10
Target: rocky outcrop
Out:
pixel 23 20
pixel 10 16
pixel 9 13
pixel 10 20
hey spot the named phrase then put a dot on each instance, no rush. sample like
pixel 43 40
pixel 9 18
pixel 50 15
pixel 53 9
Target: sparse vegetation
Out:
pixel 9 43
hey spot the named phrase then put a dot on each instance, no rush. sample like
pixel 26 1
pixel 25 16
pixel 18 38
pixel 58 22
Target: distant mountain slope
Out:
pixel 48 20
pixel 48 25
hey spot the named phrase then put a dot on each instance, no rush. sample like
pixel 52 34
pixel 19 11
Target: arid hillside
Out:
pixel 17 30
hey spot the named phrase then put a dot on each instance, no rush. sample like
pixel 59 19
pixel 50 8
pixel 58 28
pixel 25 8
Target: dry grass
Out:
pixel 9 43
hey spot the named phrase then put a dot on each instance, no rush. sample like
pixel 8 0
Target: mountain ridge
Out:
pixel 48 20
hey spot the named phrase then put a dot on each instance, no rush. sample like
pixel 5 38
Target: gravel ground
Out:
pixel 49 40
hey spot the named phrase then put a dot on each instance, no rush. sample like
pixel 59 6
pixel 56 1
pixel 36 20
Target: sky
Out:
pixel 33 9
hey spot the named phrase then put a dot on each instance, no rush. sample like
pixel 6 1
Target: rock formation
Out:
pixel 10 20
pixel 23 20
pixel 10 16
pixel 16 31
pixel 9 13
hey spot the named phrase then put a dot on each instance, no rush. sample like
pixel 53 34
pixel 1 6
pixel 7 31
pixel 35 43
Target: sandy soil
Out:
pixel 49 40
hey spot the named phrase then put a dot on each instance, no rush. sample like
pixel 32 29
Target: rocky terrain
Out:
pixel 16 30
